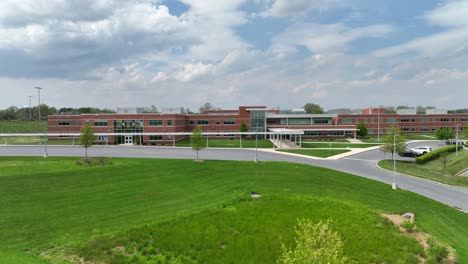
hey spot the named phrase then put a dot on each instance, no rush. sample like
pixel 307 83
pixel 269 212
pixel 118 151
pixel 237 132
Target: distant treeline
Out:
pixel 26 113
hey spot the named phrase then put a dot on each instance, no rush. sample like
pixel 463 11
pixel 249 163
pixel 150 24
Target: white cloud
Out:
pixel 191 71
pixel 450 42
pixel 319 38
pixel 160 77
pixel 283 8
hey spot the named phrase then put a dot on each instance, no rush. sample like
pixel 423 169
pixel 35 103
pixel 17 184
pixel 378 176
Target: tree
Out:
pixel 243 128
pixel 362 130
pixel 196 139
pixel 445 133
pixel 205 107
pixel 400 141
pixel 86 138
pixel 314 244
pixel 151 109
pixel 311 108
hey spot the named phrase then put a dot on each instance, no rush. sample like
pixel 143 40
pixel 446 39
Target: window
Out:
pixel 169 137
pixel 63 123
pixel 156 137
pixel 322 121
pixel 229 122
pixel 404 120
pixel 299 121
pixel 391 120
pixel 444 119
pixel 191 122
pixel 405 129
pixel 425 120
pixel 218 122
pixel 464 119
pixel 102 138
pixel 347 121
pixel 169 122
pixel 271 121
pixel 100 123
pixel 202 122
pixel 155 122
pixel 424 129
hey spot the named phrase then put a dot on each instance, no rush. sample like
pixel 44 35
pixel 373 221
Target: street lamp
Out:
pixel 39 92
pixel 378 125
pixel 394 184
pixel 456 142
pixel 256 147
pixel 30 114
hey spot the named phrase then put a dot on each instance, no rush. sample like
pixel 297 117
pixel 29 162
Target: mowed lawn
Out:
pixel 320 153
pixel 338 145
pixel 434 170
pixel 230 143
pixel 22 126
pixel 52 205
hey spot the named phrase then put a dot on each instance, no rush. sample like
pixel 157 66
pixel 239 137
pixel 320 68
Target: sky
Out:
pixel 277 53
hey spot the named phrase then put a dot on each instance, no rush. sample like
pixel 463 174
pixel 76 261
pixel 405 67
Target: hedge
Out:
pixel 436 153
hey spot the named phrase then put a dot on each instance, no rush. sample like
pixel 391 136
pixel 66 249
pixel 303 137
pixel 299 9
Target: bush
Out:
pixel 436 154
pixel 437 254
pixel 314 244
pixel 408 226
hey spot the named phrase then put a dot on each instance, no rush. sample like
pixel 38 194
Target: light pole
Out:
pixel 39 108
pixel 30 113
pixel 394 184
pixel 45 142
pixel 256 139
pixel 456 141
pixel 378 125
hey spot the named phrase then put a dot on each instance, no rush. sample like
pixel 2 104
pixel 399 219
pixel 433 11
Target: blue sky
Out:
pixel 285 53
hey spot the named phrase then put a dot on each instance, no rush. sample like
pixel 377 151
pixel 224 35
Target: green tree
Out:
pixel 196 139
pixel 86 138
pixel 316 244
pixel 362 130
pixel 206 106
pixel 243 128
pixel 445 133
pixel 400 141
pixel 311 108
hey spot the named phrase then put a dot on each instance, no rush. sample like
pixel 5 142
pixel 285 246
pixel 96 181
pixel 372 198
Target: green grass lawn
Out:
pixel 228 143
pixel 199 210
pixel 321 153
pixel 22 126
pixel 343 140
pixel 36 141
pixel 338 145
pixel 433 170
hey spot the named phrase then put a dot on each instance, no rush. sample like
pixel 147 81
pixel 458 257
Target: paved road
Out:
pixel 363 164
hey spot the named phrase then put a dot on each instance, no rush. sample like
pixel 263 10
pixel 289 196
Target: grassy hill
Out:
pixel 199 211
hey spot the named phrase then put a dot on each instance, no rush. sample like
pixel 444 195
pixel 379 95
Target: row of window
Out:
pixel 392 120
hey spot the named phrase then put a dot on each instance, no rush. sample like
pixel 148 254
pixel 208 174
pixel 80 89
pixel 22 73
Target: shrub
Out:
pixel 436 154
pixel 408 226
pixel 314 244
pixel 437 254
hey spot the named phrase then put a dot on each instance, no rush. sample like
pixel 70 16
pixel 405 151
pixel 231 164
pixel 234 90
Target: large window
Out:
pixel 404 120
pixel 391 120
pixel 347 121
pixel 64 123
pixel 229 122
pixel 156 137
pixel 444 119
pixel 464 119
pixel 169 122
pixel 202 122
pixel 299 121
pixel 257 121
pixel 100 123
pixel 155 122
pixel 322 121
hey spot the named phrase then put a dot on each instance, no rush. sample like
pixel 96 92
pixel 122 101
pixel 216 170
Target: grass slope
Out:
pixel 52 202
pixel 321 153
pixel 433 170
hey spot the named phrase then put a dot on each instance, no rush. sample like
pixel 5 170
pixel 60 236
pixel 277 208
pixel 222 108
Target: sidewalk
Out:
pixel 352 151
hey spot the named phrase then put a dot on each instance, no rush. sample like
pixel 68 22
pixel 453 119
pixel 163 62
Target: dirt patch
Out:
pixel 421 237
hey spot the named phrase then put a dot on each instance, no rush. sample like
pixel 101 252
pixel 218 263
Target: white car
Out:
pixel 418 151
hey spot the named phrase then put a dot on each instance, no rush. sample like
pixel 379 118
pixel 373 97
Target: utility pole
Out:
pixel 30 106
pixel 456 142
pixel 39 108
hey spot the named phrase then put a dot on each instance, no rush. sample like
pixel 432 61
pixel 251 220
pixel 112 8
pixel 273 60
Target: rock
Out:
pixel 408 216
pixel 255 195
